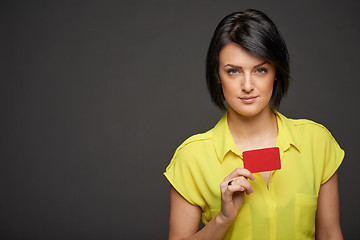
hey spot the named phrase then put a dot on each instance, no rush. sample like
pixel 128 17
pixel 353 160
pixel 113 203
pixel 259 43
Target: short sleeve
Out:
pixel 182 173
pixel 333 156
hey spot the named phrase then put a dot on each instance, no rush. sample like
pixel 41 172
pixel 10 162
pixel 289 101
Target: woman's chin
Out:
pixel 249 111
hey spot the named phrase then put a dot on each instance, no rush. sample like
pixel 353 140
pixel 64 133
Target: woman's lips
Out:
pixel 250 99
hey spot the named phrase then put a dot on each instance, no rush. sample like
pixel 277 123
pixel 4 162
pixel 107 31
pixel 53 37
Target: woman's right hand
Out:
pixel 184 216
pixel 232 195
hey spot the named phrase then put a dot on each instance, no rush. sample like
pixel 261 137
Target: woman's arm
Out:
pixel 327 214
pixel 185 220
pixel 185 217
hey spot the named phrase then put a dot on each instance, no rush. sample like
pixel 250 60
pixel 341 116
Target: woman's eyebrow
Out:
pixel 256 66
pixel 261 64
pixel 231 65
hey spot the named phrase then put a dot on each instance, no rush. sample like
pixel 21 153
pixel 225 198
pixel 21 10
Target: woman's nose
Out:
pixel 247 84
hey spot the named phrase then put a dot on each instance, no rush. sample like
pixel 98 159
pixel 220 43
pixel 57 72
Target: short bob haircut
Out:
pixel 257 34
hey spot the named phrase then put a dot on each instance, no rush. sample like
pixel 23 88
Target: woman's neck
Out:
pixel 254 132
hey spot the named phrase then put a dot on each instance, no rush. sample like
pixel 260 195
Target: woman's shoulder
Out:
pixel 196 141
pixel 307 127
pixel 192 150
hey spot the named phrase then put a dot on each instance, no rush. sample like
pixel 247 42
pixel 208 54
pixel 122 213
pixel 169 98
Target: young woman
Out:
pixel 248 70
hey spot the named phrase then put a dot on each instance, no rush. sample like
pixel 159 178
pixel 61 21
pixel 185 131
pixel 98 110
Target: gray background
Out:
pixel 96 96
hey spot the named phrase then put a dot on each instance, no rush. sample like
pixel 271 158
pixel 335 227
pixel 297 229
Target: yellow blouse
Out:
pixel 286 208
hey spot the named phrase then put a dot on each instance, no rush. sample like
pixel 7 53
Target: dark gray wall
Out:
pixel 96 96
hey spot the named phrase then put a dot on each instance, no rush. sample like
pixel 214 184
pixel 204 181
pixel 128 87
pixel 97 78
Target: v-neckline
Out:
pixel 267 177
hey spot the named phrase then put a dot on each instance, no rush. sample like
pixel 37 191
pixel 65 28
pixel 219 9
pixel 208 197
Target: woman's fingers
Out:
pixel 239 177
pixel 240 184
pixel 240 172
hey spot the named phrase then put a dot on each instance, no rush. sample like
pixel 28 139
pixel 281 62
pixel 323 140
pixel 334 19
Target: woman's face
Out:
pixel 247 81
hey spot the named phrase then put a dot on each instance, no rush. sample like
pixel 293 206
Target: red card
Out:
pixel 262 160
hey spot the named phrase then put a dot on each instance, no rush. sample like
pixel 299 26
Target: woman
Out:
pixel 248 69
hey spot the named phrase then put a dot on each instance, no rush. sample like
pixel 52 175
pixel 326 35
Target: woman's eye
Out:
pixel 232 71
pixel 262 70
